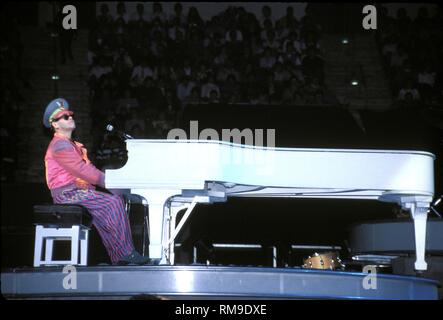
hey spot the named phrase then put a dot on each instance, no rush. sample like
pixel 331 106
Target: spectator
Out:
pixel 398 57
pixel 422 21
pixel 310 42
pixel 151 96
pixel 194 20
pixel 194 43
pixel 202 72
pixel 135 118
pixel 208 86
pixel 409 101
pixel 250 27
pixel 309 28
pixel 141 72
pixel 157 13
pixel 163 122
pixel 270 40
pixel 408 89
pixel 268 26
pixel 230 92
pixel 281 32
pixel 193 99
pixel 221 58
pixel 187 69
pixel 234 35
pixel 158 45
pixel 266 15
pixel 103 103
pixel 426 82
pixel 122 16
pixel 293 40
pixel 139 16
pixel 214 97
pixel 268 60
pixel 99 71
pixel 313 92
pixel 312 65
pixel 174 28
pixel 184 88
pixel 122 67
pixel 280 74
pixel 403 74
pixel 290 55
pixel 234 41
pixel 292 94
pixel 104 19
pixel 128 102
pixel 172 104
pixel 176 48
pixel 166 73
pixel 389 46
pixel 289 20
pixel 178 18
pixel 224 71
pixel 214 42
pixel 259 95
pixel 96 45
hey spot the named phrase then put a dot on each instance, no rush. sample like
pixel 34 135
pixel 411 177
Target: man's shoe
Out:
pixel 134 258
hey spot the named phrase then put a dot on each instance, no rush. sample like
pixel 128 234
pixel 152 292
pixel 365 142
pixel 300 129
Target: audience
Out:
pixel 155 65
pixel 411 50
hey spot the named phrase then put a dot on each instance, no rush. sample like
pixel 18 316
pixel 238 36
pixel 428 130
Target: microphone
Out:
pixel 123 135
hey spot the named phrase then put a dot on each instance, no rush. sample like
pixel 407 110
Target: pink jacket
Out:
pixel 67 163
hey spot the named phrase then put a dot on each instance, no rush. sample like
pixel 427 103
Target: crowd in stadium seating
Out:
pixel 145 69
pixel 412 51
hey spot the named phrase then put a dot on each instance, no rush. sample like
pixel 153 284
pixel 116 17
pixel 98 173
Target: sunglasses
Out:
pixel 64 117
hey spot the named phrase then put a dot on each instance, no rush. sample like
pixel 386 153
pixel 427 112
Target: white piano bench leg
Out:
pixel 45 237
pixel 38 245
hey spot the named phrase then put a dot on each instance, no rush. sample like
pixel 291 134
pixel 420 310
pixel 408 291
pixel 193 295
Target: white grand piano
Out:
pixel 172 175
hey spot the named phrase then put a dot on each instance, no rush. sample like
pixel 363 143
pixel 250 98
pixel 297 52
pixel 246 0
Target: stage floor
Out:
pixel 209 282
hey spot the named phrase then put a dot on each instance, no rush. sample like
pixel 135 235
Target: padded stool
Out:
pixel 61 222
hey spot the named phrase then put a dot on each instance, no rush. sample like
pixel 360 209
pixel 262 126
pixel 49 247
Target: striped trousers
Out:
pixel 108 217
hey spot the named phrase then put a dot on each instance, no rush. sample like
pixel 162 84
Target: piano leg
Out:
pixel 157 200
pixel 419 212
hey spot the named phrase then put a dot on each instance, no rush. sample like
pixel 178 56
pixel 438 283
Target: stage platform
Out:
pixel 209 282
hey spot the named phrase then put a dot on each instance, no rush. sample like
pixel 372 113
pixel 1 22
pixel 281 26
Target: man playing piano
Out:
pixel 71 178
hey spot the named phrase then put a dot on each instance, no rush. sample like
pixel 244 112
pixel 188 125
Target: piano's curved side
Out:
pixel 180 164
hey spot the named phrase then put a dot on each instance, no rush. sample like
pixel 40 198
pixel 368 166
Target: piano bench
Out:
pixel 56 222
pixel 135 199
